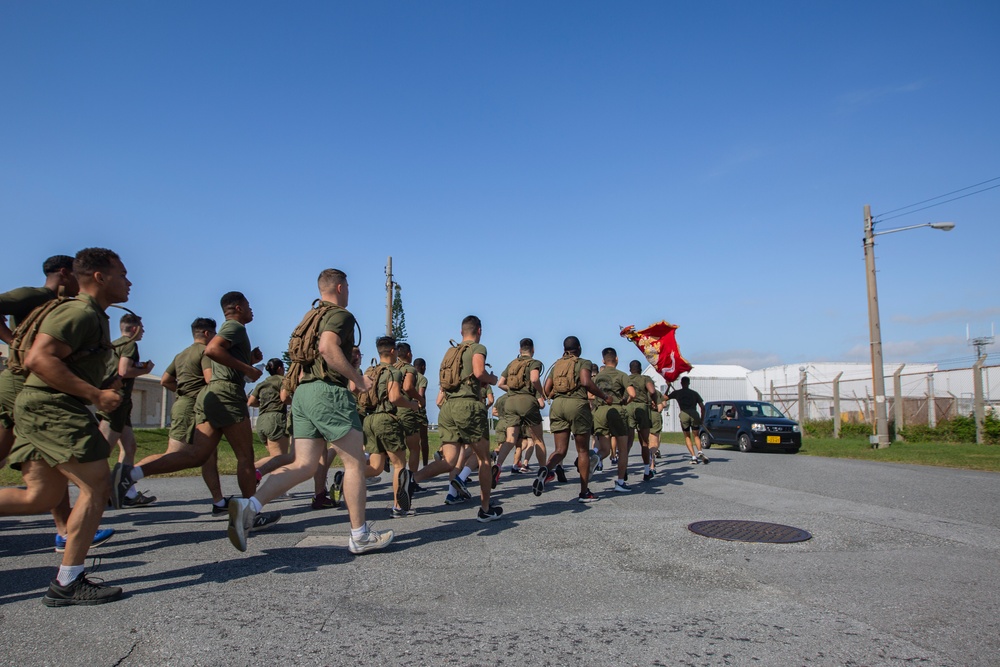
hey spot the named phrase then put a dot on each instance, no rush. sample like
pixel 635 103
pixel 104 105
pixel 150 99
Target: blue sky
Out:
pixel 555 168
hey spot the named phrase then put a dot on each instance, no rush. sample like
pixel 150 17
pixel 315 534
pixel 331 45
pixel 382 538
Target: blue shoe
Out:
pixel 102 536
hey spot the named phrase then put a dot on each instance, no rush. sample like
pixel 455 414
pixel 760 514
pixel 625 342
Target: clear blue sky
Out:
pixel 556 168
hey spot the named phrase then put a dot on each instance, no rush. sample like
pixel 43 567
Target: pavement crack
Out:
pixel 125 657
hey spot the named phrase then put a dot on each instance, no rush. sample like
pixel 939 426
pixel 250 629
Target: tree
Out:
pixel 398 316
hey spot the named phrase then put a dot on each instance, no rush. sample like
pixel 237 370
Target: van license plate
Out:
pixel 774 439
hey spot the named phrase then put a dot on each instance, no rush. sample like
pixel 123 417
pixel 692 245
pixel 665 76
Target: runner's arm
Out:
pixel 45 359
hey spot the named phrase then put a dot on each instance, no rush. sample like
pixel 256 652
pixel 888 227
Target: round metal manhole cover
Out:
pixel 749 531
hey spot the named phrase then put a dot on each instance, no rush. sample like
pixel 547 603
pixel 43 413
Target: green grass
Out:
pixel 967 456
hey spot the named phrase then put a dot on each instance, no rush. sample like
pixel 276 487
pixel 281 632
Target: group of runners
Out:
pixel 63 361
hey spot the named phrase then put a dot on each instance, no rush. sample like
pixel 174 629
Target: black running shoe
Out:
pixel 403 488
pixel 492 515
pixel 80 591
pixel 560 474
pixel 221 511
pixel 496 475
pixel 538 485
pixel 121 482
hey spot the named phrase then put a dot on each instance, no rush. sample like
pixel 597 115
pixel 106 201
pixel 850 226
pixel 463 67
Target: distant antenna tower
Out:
pixel 980 343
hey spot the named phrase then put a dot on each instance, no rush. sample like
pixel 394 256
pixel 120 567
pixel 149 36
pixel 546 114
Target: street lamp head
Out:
pixel 943 226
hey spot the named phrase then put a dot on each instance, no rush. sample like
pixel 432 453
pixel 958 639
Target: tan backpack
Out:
pixel 450 377
pixel 565 378
pixel 518 374
pixel 368 400
pixel 303 345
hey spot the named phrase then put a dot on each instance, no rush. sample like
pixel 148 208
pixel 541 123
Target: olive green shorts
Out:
pixel 324 410
pixel 221 404
pixel 463 421
pixel 182 419
pixel 638 416
pixel 690 420
pixel 410 421
pixel 523 410
pixel 608 420
pixel 271 426
pixel 383 433
pixel 120 417
pixel 10 387
pixel 571 414
pixel 55 428
pixel 656 422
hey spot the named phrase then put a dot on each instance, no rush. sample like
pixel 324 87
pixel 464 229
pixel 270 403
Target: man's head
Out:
pixel 404 352
pixel 333 286
pixel 571 345
pixel 58 271
pixel 100 271
pixel 685 381
pixel 203 329
pixel 131 326
pixel 386 348
pixel 634 366
pixel 610 356
pixel 236 307
pixel 527 346
pixel 472 328
pixel 420 365
pixel 275 366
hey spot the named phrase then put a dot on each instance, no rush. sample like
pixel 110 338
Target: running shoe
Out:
pixel 550 476
pixel 703 458
pixel 496 475
pixel 524 469
pixel 403 499
pixel 370 541
pixel 600 466
pixel 494 455
pixel 515 469
pixel 121 482
pixel 646 476
pixel 258 475
pixel 538 485
pixel 264 520
pixel 80 591
pixel 614 460
pixel 399 513
pixel 458 486
pixel 140 500
pixel 241 520
pixel 561 474
pixel 337 487
pixel 372 481
pixel 221 511
pixel 453 500
pixel 492 515
pixel 657 454
pixel 100 537
pixel 438 456
pixel 595 458
pixel 322 501
pixel 620 487
pixel 694 461
pixel 587 497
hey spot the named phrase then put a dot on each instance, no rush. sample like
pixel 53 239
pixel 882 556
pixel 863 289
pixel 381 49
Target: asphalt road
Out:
pixel 901 569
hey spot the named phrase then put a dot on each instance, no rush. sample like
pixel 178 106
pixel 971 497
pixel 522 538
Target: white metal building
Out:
pixel 714 383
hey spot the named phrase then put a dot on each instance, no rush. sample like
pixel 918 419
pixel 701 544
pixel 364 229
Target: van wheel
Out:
pixel 744 443
pixel 706 440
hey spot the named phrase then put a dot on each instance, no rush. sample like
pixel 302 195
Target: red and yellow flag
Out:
pixel 658 344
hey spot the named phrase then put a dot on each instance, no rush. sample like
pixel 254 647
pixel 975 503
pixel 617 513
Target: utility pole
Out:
pixel 388 297
pixel 881 437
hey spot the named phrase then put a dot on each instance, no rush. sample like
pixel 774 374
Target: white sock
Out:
pixel 621 481
pixel 68 574
pixel 221 503
pixel 136 474
pixel 132 492
pixel 645 469
pixel 255 505
pixel 359 532
pixel 464 475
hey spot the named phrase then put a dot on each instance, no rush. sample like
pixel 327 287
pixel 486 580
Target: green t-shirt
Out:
pixel 82 325
pixel 342 323
pixel 470 387
pixel 613 382
pixel 239 346
pixel 528 388
pixel 123 347
pixel 638 380
pixel 499 405
pixel 580 391
pixel 422 384
pixel 188 369
pixel 382 388
pixel 18 303
pixel 404 369
pixel 268 393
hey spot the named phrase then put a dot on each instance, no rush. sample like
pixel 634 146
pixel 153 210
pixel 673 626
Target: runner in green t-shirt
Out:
pixel 638 412
pixel 409 418
pixel 58 438
pixel 610 421
pixel 692 412
pixel 272 420
pixel 524 406
pixel 425 445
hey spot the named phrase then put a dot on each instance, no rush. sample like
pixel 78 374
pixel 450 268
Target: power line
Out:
pixel 924 208
pixel 947 194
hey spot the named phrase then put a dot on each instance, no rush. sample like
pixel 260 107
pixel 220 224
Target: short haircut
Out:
pixel 527 344
pixel 57 263
pixel 685 381
pixel 403 348
pixel 330 278
pixel 471 324
pixel 273 365
pixel 634 366
pixel 230 300
pixel 385 345
pixel 203 324
pixel 419 363
pixel 130 320
pixel 609 353
pixel 92 260
pixel 571 344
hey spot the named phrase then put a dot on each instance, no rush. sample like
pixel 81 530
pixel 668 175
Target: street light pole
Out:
pixel 880 439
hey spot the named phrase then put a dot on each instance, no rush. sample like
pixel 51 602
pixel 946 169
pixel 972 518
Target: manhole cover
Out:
pixel 749 531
